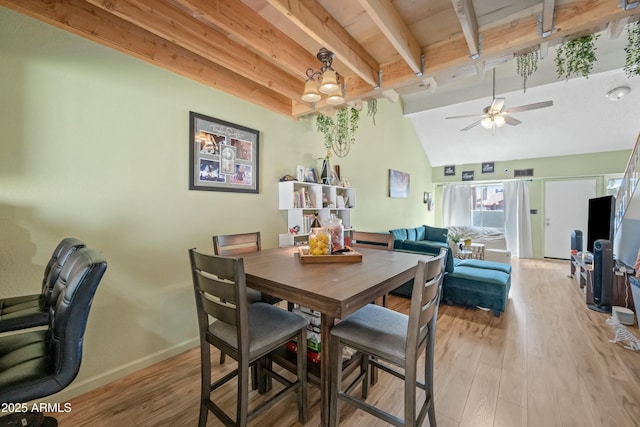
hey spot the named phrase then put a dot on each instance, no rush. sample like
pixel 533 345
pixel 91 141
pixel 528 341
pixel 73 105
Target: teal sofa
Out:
pixel 469 282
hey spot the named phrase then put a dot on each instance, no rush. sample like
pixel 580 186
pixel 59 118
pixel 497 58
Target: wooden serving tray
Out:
pixel 305 258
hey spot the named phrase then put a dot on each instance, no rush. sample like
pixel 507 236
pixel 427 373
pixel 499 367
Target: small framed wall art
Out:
pixel 398 184
pixel 223 156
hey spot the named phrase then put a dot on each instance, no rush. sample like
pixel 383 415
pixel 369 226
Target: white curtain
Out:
pixel 456 205
pixel 517 218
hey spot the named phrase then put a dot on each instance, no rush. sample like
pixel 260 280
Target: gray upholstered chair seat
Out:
pixel 265 328
pixel 377 331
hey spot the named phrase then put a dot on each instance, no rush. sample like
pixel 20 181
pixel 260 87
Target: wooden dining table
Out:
pixel 334 289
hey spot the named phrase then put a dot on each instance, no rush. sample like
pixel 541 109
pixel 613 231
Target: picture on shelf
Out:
pixel 300 173
pixel 310 175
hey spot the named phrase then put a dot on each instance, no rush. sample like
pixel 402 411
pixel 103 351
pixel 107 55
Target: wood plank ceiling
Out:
pixel 259 50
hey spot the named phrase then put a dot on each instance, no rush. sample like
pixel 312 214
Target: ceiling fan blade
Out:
pixel 496 105
pixel 529 107
pixel 511 121
pixel 466 116
pixel 472 125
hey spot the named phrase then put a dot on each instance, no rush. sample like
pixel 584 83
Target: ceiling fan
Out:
pixel 494 116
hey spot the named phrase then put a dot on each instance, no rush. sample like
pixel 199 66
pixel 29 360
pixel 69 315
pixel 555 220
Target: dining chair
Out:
pixel 239 244
pixel 393 342
pixel 382 241
pixel 246 332
pixel 28 311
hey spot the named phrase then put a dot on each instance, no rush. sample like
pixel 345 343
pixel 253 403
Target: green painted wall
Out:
pixel 94 144
pixel 549 168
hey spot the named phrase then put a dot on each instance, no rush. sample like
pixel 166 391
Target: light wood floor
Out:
pixel 545 362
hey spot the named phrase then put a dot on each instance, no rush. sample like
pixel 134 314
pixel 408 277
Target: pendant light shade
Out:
pixel 335 98
pixel 329 82
pixel 311 91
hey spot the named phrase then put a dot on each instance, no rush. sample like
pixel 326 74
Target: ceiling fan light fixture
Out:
pixel 499 120
pixel 487 123
pixel 616 94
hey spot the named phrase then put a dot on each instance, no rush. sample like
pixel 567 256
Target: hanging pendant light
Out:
pixel 325 81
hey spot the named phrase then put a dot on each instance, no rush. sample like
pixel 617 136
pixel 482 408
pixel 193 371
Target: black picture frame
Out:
pixel 488 167
pixel 468 175
pixel 450 170
pixel 223 156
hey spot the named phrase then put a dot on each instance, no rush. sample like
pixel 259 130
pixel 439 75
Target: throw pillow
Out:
pixel 436 234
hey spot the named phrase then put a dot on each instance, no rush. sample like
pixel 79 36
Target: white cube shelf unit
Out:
pixel 302 200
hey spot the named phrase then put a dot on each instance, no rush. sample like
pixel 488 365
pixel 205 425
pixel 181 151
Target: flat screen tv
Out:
pixel 600 222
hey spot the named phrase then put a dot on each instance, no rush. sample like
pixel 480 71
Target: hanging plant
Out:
pixel 632 50
pixel 341 133
pixel 576 57
pixel 527 64
pixel 372 109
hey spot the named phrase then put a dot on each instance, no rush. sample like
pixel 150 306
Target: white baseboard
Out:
pixel 80 387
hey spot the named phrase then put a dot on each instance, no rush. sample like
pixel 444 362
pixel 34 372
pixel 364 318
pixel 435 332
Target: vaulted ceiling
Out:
pixel 259 50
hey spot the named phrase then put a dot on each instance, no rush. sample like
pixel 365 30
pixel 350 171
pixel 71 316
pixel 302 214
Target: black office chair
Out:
pixel 40 363
pixel 28 311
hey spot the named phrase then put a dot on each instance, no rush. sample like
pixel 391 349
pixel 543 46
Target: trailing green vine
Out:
pixel 341 133
pixel 576 57
pixel 372 109
pixel 527 64
pixel 632 50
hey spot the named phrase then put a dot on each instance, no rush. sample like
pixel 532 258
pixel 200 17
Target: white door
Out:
pixel 566 205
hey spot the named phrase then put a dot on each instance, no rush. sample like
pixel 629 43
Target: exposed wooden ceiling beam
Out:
pixel 467 17
pixel 548 7
pixel 314 20
pixel 387 18
pixel 174 25
pixel 95 24
pixel 615 27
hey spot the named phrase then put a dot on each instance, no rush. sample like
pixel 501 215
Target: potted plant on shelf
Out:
pixel 576 57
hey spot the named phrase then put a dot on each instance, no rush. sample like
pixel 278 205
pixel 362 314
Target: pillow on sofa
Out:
pixel 435 234
pixel 399 233
pixel 420 233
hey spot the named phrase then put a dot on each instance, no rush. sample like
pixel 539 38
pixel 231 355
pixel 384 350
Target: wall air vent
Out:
pixel 523 172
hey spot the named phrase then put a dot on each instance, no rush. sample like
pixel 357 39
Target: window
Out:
pixel 488 206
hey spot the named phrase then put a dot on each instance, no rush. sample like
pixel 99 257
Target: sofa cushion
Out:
pixel 489 265
pixel 399 233
pixel 411 234
pixel 436 234
pixel 421 233
pixel 481 275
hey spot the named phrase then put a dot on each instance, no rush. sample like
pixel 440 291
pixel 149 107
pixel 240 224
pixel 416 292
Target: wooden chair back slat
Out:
pixel 363 239
pixel 236 244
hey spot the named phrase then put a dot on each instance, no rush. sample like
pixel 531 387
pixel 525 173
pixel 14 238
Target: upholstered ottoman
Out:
pixel 478 283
